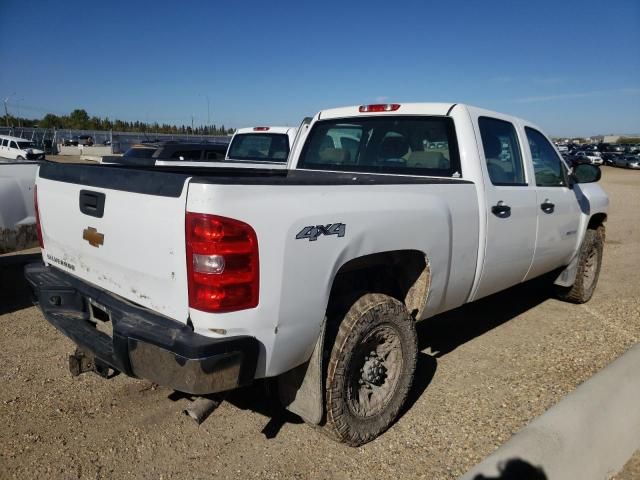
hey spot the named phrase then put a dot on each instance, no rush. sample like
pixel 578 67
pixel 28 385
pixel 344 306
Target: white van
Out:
pixel 15 148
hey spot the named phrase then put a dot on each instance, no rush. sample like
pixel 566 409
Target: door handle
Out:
pixel 547 206
pixel 501 210
pixel 92 203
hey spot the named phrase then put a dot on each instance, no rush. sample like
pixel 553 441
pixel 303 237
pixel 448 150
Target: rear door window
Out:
pixel 502 152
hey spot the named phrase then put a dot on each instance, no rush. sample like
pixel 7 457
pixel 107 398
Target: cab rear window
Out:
pixel 264 147
pixel 420 145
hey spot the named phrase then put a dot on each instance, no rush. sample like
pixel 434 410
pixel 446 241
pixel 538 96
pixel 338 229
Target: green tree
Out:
pixel 79 119
pixel 50 121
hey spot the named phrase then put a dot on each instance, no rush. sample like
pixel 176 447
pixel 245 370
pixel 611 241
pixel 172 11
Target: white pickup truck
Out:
pixel 204 280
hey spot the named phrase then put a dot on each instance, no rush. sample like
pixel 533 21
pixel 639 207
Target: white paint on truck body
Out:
pixel 296 275
pixel 143 255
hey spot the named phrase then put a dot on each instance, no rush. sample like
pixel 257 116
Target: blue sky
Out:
pixel 572 67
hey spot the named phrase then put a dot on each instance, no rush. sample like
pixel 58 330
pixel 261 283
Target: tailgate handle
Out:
pixel 92 203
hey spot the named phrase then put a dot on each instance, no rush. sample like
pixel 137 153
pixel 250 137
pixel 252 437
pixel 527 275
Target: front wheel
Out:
pixel 371 369
pixel 19 157
pixel 589 263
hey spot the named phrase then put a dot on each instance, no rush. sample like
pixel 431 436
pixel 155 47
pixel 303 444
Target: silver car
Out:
pixel 627 161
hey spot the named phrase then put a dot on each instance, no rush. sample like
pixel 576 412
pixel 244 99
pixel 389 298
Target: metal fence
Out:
pixel 48 139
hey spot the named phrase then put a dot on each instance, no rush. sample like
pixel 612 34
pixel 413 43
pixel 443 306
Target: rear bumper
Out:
pixel 143 344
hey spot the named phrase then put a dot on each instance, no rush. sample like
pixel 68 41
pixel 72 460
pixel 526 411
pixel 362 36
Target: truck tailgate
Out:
pixel 119 229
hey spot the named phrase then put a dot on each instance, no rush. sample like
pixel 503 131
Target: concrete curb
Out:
pixel 589 434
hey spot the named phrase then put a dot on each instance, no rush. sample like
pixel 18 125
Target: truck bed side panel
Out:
pixel 439 219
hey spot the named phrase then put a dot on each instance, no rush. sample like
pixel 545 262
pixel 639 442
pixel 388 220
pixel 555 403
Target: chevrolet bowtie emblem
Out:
pixel 92 236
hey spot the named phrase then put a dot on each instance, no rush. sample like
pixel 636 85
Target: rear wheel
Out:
pixel 371 369
pixel 589 264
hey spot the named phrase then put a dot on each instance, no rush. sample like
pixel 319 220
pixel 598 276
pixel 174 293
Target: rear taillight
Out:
pixel 222 263
pixel 380 107
pixel 37 210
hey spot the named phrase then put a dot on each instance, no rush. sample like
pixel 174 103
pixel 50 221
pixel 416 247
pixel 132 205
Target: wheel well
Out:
pixel 596 221
pixel 401 274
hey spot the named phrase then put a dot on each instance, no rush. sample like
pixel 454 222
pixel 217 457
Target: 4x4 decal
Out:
pixel 313 232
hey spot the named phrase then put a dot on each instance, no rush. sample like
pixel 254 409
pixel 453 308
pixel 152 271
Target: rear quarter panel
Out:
pixel 440 220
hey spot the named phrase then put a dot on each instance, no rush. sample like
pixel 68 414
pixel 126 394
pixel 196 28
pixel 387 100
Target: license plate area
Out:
pixel 101 317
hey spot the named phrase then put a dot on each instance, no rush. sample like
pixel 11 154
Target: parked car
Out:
pixel 85 140
pixel 170 152
pixel 615 148
pixel 314 275
pixel 633 148
pixel 592 156
pixel 77 140
pixel 627 161
pixel 15 148
pixel 261 144
pixel 609 158
pixel 138 154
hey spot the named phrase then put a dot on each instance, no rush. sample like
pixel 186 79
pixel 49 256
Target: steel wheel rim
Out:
pixel 374 371
pixel 590 267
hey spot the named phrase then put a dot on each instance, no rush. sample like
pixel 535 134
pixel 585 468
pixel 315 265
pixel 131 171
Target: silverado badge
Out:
pixel 92 236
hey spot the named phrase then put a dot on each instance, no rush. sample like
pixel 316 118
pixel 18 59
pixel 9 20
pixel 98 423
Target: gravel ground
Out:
pixel 631 470
pixel 485 371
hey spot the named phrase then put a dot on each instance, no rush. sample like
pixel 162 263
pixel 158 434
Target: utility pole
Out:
pixel 19 119
pixel 208 119
pixel 206 95
pixel 6 112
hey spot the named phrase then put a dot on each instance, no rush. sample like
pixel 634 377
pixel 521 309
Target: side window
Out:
pixel 212 155
pixel 13 145
pixel 502 152
pixel 4 142
pixel 546 162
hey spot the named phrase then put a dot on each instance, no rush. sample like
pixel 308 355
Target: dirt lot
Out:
pixel 485 371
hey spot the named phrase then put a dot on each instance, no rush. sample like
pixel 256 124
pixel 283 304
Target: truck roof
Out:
pixel 399 108
pixel 403 109
pixel 438 109
pixel 265 129
pixel 17 139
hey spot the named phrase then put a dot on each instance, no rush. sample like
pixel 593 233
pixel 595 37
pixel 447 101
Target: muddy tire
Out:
pixel 589 264
pixel 370 370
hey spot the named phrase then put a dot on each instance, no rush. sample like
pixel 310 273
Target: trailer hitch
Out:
pixel 82 361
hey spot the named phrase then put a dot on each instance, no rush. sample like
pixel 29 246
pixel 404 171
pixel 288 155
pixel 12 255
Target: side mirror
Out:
pixel 586 173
